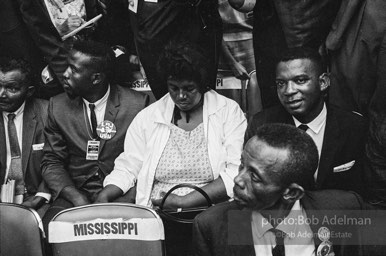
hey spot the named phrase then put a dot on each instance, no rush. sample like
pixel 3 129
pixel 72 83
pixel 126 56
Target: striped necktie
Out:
pixel 15 170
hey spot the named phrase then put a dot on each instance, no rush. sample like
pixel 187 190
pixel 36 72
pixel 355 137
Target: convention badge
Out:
pixel 324 234
pixel 324 249
pixel 92 150
pixel 106 130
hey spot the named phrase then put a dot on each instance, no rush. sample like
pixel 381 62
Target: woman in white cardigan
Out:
pixel 191 135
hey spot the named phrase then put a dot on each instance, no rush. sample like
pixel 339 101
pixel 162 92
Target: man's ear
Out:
pixel 30 91
pixel 324 81
pixel 97 78
pixel 293 193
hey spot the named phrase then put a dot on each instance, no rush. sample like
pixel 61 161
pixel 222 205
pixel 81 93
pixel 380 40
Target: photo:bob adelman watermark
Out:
pixel 367 227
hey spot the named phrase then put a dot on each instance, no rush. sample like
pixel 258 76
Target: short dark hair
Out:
pixel 303 157
pixel 303 53
pixel 103 58
pixel 183 60
pixel 8 63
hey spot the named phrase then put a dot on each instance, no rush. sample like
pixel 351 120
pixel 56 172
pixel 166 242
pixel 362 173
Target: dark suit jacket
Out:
pixel 34 119
pixel 343 142
pixel 64 162
pixel 45 35
pixel 225 229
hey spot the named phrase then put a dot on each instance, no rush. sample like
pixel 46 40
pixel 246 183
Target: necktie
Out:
pixel 15 170
pixel 93 120
pixel 278 250
pixel 303 127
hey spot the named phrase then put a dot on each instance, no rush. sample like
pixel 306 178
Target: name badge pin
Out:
pixel 106 130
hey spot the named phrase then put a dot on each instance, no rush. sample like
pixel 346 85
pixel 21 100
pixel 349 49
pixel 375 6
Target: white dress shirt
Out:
pixel 19 114
pixel 299 236
pixel 100 108
pixel 316 130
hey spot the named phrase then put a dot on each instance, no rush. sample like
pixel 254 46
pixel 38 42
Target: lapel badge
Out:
pixel 106 130
pixel 325 249
pixel 324 234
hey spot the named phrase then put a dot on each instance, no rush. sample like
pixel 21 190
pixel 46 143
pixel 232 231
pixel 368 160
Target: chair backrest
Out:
pixel 21 231
pixel 107 229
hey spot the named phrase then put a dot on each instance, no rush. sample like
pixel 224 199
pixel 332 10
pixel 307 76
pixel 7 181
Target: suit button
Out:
pixel 96 174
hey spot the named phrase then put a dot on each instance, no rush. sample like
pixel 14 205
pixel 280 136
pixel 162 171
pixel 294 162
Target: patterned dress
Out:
pixel 184 160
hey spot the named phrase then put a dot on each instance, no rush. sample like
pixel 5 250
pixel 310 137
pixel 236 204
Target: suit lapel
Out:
pixel 242 242
pixel 29 128
pixel 313 213
pixel 112 108
pixel 3 150
pixel 332 135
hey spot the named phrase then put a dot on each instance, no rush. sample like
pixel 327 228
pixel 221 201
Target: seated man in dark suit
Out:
pixel 86 127
pixel 21 134
pixel 273 193
pixel 339 135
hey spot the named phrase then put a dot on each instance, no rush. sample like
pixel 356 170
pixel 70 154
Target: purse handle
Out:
pixel 183 185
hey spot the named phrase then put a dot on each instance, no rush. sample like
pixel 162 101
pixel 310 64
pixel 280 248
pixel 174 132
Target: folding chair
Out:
pixel 21 231
pixel 107 229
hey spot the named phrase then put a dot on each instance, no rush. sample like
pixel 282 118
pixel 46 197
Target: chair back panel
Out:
pixel 103 213
pixel 19 231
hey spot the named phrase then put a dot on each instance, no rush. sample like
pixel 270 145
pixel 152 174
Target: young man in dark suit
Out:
pixel 339 135
pixel 21 134
pixel 86 127
pixel 275 210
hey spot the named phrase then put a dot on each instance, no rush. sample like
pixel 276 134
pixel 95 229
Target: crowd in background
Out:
pixel 337 47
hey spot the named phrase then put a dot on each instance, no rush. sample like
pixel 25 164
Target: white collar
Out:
pixel 213 102
pixel 318 122
pixel 286 226
pixel 101 102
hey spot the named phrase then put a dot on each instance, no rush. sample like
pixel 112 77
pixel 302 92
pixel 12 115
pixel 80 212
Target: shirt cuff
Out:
pixel 121 181
pixel 44 195
pixel 228 183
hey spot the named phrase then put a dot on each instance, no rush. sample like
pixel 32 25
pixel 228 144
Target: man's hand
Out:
pixel 71 194
pixel 80 200
pixel 101 198
pixel 108 194
pixel 34 202
pixel 172 202
pixel 239 71
pixel 70 24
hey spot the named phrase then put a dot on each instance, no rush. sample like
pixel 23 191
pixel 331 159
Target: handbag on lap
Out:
pixel 178 223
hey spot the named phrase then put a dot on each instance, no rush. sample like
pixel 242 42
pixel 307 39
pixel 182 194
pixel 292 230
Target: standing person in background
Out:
pixel 15 39
pixel 157 23
pixel 237 52
pixel 357 46
pixel 21 134
pixel 282 24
